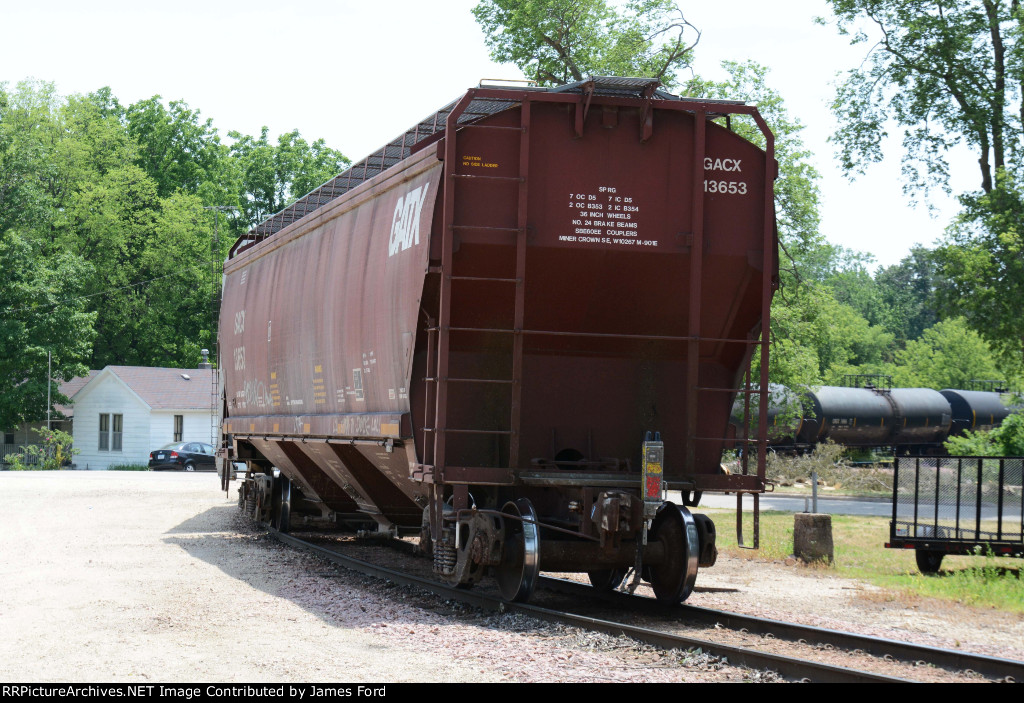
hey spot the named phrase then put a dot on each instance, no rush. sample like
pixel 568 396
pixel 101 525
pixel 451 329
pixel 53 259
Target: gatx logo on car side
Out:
pixel 405 223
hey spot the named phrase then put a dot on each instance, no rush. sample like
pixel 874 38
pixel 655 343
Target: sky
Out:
pixel 359 73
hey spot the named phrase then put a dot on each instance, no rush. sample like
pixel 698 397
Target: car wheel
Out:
pixel 189 466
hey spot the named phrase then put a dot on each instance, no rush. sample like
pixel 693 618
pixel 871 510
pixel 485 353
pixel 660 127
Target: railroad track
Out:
pixel 790 667
pixel 992 667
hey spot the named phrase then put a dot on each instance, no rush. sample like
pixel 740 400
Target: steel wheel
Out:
pixel 520 560
pixel 281 506
pixel 675 528
pixel 606 579
pixel 189 466
pixel 284 515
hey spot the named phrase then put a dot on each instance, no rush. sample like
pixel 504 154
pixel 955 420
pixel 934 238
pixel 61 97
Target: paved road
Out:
pixel 796 504
pixel 861 506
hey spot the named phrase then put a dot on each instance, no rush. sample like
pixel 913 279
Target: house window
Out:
pixel 104 432
pixel 115 444
pixel 8 438
pixel 179 427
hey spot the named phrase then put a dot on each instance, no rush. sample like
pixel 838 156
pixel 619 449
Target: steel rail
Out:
pixel 788 667
pixel 993 667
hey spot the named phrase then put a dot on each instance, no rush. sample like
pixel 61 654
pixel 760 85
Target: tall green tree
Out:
pixel 41 312
pixel 29 138
pixel 109 223
pixel 178 149
pixel 272 176
pixel 852 283
pixel 947 73
pixel 817 339
pixel 54 148
pixel 152 269
pixel 560 41
pixel 96 139
pixel 908 294
pixel 106 239
pixel 41 305
pixel 982 261
pixel 948 355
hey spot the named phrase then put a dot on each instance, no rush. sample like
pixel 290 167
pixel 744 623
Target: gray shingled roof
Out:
pixel 166 389
pixel 69 388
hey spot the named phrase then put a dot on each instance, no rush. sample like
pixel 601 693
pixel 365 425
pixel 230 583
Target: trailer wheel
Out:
pixel 928 562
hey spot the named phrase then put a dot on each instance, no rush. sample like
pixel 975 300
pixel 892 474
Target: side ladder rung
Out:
pixel 490 126
pixel 484 278
pixel 457 430
pixel 431 379
pixel 517 179
pixel 489 229
pixel 472 329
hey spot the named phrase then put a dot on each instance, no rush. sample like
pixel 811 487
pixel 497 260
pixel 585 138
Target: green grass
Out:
pixel 983 581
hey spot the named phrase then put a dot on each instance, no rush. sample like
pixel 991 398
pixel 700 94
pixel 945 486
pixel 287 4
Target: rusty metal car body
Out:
pixel 514 328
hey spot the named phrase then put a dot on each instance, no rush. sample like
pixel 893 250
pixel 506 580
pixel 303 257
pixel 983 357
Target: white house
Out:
pixel 125 412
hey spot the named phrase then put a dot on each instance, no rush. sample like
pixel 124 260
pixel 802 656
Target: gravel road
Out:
pixel 142 577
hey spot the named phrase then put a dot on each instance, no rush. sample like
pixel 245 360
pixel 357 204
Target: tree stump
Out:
pixel 812 537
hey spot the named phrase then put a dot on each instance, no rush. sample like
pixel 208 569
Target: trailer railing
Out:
pixel 958 505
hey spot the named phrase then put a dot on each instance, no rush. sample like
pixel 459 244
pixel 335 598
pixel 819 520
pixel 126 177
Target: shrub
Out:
pixel 128 467
pixel 54 452
pixel 1005 440
pixel 828 460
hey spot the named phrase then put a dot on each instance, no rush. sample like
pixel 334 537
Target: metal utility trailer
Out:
pixel 957 505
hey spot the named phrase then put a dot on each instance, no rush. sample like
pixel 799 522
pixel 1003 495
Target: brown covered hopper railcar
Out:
pixel 514 328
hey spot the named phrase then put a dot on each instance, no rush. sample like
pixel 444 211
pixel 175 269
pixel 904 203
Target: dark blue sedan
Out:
pixel 182 456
